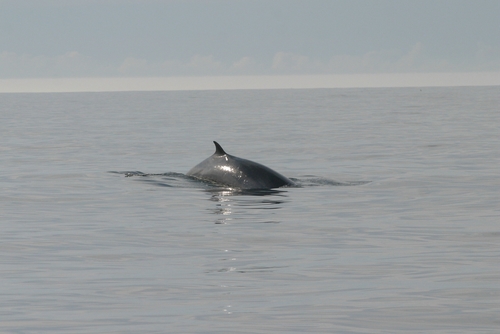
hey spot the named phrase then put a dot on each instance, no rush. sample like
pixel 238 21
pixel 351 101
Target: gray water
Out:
pixel 395 228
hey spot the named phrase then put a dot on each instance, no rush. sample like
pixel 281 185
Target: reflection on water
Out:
pixel 223 207
pixel 240 204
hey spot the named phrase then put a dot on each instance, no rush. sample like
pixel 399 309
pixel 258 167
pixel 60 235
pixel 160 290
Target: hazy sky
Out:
pixel 86 38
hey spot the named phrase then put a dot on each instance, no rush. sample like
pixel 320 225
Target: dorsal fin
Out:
pixel 218 149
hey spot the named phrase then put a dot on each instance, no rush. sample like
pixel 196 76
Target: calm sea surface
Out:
pixel 395 229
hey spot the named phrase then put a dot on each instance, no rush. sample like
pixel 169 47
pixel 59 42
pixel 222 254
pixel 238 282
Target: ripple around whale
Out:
pixel 180 180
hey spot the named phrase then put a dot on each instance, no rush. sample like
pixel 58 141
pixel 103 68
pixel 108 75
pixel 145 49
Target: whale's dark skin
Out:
pixel 234 172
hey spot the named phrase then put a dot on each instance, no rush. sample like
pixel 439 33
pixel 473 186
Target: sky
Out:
pixel 200 38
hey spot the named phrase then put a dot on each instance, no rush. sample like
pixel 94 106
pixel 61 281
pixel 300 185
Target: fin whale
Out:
pixel 234 172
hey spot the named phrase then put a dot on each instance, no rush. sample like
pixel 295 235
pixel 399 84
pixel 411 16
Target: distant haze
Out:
pixel 260 37
pixel 246 38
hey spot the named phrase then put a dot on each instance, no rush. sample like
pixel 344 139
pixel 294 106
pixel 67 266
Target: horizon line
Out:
pixel 183 83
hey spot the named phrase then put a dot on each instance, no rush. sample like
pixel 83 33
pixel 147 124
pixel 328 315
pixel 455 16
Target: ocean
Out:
pixel 394 227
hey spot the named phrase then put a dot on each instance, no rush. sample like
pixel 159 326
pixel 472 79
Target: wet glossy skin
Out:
pixel 234 172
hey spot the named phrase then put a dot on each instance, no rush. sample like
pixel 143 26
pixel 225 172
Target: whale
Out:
pixel 233 172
